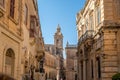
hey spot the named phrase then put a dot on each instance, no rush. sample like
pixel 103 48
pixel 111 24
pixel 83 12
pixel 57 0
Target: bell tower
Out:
pixel 58 41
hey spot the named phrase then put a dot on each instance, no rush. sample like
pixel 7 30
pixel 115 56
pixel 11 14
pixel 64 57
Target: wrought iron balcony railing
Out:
pixel 87 35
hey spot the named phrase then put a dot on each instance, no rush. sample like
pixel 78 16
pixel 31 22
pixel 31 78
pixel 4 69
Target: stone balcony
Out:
pixel 39 48
pixel 89 34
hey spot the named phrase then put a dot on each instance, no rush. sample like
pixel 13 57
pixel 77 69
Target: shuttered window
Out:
pixel 32 26
pixel 12 8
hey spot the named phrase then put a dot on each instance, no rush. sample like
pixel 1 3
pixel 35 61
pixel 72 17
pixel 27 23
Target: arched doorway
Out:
pixel 9 62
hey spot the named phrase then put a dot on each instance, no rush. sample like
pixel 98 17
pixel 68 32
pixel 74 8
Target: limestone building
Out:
pixel 71 62
pixel 98 26
pixel 56 51
pixel 33 44
pixel 21 42
pixel 10 38
pixel 50 65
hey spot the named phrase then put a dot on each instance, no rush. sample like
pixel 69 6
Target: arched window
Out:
pixel 9 62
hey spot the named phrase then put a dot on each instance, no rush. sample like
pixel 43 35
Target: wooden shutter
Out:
pixel 12 3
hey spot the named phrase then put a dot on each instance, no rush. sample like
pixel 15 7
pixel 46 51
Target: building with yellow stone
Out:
pixel 21 42
pixel 50 65
pixel 54 57
pixel 98 26
pixel 71 61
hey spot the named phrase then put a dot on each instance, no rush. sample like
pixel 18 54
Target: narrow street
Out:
pixel 59 40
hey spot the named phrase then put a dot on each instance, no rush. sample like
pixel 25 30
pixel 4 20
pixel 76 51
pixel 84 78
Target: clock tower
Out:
pixel 58 41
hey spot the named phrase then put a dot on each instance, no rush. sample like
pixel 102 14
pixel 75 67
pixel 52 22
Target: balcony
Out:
pixel 88 35
pixel 39 45
pixel 39 49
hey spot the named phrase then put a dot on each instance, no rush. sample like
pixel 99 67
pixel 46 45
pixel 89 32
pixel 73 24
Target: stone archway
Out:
pixel 9 62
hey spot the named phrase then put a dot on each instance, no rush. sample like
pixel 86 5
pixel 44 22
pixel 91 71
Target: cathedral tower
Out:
pixel 58 41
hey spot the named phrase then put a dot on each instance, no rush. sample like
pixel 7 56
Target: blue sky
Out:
pixel 62 12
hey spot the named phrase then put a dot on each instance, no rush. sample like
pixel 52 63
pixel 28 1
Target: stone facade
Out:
pixel 71 62
pixel 98 26
pixel 10 40
pixel 54 57
pixel 50 62
pixel 21 43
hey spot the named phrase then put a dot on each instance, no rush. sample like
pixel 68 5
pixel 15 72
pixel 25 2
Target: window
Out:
pixel 92 71
pixel 9 62
pixel 82 70
pixel 35 4
pixel 12 6
pixel 98 14
pixel 82 29
pixel 75 65
pixel 86 26
pixel 118 8
pixel 32 26
pixel 2 3
pixel 98 67
pixel 91 23
pixel 26 14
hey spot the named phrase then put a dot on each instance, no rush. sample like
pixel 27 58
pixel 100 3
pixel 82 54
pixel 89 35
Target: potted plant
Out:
pixel 116 76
